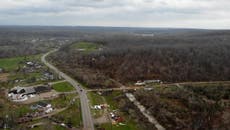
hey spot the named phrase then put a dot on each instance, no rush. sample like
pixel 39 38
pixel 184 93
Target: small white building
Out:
pixel 152 81
pixel 29 63
pixel 148 88
pixel 139 83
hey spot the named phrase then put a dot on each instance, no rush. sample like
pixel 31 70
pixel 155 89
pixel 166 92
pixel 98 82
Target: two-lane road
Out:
pixel 85 109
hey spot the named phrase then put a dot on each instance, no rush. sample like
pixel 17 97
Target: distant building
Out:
pixel 148 88
pixel 152 81
pixel 139 83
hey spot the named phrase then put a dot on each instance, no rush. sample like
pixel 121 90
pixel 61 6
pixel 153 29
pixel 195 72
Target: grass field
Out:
pixel 63 100
pixel 50 127
pixel 110 100
pixel 96 99
pixel 12 63
pixel 114 105
pixel 72 114
pixel 86 46
pixel 63 87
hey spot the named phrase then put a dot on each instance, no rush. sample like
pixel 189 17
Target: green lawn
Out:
pixel 63 87
pixel 86 46
pixel 114 105
pixel 12 63
pixel 63 100
pixel 71 115
pixel 96 99
pixel 50 127
pixel 110 100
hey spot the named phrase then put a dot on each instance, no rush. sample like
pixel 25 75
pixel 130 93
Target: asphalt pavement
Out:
pixel 85 109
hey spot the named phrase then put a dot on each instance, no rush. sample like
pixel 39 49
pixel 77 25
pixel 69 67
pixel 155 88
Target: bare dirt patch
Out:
pixel 4 77
pixel 43 96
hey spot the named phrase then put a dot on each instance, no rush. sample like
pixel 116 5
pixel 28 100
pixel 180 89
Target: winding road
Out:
pixel 85 109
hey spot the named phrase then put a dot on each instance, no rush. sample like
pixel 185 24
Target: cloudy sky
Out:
pixel 133 13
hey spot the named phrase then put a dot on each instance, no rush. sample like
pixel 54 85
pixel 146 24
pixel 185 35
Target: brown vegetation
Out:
pixel 129 58
pixel 194 107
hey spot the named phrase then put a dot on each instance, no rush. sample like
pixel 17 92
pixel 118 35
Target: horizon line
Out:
pixel 107 26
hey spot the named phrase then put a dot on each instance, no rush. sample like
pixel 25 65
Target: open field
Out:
pixel 96 99
pixel 63 87
pixel 114 100
pixel 72 115
pixel 13 63
pixel 50 127
pixel 86 46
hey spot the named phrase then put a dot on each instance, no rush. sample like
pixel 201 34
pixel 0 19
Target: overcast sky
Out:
pixel 131 13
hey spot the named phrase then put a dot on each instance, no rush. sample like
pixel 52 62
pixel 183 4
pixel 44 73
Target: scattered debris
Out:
pixel 116 119
pixel 19 94
pixel 48 76
pixel 100 107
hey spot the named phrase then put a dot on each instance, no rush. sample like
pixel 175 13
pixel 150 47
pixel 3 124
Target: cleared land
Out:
pixel 86 46
pixel 63 87
pixel 115 101
pixel 4 77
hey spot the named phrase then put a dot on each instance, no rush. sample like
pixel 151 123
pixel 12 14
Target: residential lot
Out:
pixel 106 109
pixel 33 97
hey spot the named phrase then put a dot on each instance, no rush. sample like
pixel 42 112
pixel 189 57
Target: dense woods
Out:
pixel 194 107
pixel 191 56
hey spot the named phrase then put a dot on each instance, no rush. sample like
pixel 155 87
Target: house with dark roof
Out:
pixel 40 105
pixel 42 89
pixel 23 90
pixel 21 93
